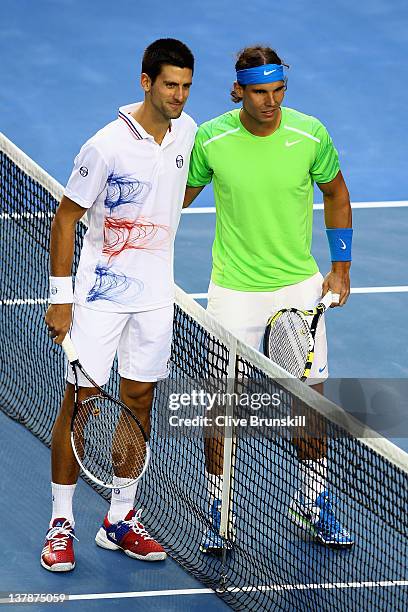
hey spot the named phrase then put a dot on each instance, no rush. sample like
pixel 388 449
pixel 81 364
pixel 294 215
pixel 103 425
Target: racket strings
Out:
pixel 108 440
pixel 289 343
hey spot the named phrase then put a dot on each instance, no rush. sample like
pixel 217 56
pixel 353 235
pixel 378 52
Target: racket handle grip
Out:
pixel 329 298
pixel 69 349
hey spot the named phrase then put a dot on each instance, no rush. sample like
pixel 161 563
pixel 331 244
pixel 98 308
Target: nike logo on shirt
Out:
pixel 291 143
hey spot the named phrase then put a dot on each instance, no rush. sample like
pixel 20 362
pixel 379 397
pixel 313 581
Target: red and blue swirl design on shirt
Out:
pixel 132 231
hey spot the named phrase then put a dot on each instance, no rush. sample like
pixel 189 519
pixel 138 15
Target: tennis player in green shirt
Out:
pixel 263 160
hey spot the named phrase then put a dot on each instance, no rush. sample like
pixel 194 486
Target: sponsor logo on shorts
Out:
pixel 179 161
pixel 323 368
pixel 83 171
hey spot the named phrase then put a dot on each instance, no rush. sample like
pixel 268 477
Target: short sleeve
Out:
pixel 326 164
pixel 200 172
pixel 88 177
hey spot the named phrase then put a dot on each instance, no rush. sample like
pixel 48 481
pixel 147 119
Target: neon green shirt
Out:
pixel 263 189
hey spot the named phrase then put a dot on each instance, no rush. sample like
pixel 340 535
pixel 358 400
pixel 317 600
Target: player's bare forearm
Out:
pixel 337 214
pixel 191 194
pixel 58 316
pixel 337 208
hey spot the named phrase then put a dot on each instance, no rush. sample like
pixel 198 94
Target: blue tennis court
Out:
pixel 67 66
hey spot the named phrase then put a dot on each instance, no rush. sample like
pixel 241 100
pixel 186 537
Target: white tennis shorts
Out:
pixel 142 341
pixel 245 314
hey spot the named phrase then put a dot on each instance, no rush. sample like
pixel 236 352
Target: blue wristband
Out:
pixel 340 239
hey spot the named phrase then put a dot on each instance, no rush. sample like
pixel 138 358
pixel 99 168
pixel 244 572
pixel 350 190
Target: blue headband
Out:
pixel 267 73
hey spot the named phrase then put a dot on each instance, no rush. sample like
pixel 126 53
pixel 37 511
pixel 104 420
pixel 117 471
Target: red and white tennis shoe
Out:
pixel 130 536
pixel 58 552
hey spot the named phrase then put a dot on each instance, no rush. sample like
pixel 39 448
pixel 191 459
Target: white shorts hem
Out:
pixel 316 381
pixel 140 377
pixel 82 381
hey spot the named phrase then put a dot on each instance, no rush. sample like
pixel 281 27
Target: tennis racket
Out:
pixel 289 339
pixel 106 437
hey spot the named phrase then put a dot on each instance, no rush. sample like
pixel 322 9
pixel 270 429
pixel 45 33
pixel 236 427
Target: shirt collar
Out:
pixel 125 115
pixel 137 130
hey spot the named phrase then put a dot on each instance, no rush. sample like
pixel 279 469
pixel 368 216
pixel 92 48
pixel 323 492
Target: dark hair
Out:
pixel 250 57
pixel 166 51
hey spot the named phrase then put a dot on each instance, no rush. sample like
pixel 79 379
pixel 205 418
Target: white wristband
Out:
pixel 61 290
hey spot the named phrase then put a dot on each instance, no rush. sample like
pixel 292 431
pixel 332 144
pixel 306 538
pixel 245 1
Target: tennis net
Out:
pixel 269 564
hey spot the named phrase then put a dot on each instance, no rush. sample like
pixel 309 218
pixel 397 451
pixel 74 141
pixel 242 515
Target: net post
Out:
pixel 228 443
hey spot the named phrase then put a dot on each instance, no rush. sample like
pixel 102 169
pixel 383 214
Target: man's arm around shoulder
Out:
pixel 191 194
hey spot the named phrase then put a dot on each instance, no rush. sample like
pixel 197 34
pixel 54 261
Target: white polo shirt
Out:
pixel 133 189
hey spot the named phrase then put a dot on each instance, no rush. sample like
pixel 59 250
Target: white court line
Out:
pixel 24 301
pixel 198 296
pixel 399 289
pixel 323 586
pixel 203 296
pixel 244 589
pixel 202 210
pixel 27 215
pixel 198 210
pixel 137 594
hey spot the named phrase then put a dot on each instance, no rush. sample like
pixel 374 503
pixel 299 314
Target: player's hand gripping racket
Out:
pixel 289 339
pixel 106 437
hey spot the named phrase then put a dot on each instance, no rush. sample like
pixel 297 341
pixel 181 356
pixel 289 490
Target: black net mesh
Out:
pixel 271 565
